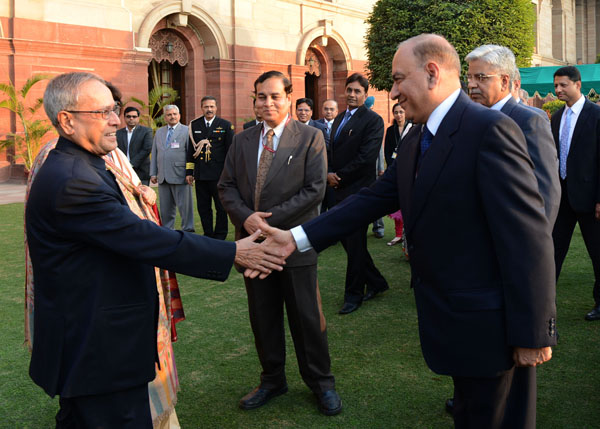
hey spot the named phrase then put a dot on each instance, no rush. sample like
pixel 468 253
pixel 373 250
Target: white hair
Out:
pixel 499 57
pixel 170 107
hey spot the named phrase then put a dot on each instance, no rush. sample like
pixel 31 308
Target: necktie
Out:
pixel 266 158
pixel 347 117
pixel 169 135
pixel 564 144
pixel 426 138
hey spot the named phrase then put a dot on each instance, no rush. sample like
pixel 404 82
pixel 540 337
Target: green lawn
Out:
pixel 381 375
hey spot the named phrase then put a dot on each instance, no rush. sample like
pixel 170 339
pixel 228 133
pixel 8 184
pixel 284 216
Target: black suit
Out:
pixel 580 189
pixel 323 127
pixel 140 147
pixel 95 285
pixel 206 172
pixel 542 151
pixel 250 124
pixel 480 248
pixel 353 157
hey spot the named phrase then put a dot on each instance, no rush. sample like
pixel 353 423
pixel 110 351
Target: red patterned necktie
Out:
pixel 266 158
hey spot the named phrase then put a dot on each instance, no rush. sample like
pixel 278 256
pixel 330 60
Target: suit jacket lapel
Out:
pixel 581 121
pixel 250 155
pixel 433 162
pixel 287 142
pixel 408 153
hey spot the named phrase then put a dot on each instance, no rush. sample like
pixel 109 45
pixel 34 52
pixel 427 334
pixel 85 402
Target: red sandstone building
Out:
pixel 198 47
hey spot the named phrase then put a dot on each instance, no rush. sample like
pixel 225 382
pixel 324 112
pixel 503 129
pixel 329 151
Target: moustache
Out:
pixel 475 91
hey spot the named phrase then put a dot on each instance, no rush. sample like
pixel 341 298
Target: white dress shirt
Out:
pixel 262 141
pixel 575 111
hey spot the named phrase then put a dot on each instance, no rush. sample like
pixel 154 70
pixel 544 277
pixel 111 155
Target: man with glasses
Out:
pixel 93 261
pixel 135 141
pixel 304 112
pixel 167 168
pixel 490 79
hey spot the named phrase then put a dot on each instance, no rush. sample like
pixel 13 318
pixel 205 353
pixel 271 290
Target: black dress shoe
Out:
pixel 330 403
pixel 372 293
pixel 259 397
pixel 594 314
pixel 450 406
pixel 348 307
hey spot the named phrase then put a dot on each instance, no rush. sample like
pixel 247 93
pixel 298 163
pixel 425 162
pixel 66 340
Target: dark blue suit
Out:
pixel 95 287
pixel 480 246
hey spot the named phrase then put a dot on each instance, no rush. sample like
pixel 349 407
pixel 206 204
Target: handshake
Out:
pixel 260 259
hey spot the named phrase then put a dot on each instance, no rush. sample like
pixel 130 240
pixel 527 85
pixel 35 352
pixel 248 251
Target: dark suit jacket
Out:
pixel 542 150
pixel 583 161
pixel 139 149
pixel 95 286
pixel 353 156
pixel 321 126
pixel 250 124
pixel 392 140
pixel 480 248
pixel 220 136
pixel 294 187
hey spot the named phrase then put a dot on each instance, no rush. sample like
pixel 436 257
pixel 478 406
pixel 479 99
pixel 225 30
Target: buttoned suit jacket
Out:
pixel 293 189
pixel 583 160
pixel 220 136
pixel 480 248
pixel 140 147
pixel 353 155
pixel 95 285
pixel 168 163
pixel 542 150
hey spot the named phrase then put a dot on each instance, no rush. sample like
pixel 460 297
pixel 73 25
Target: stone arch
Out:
pixel 323 35
pixel 206 28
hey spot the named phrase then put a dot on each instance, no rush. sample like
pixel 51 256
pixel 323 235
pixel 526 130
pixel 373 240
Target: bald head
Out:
pixel 426 71
pixel 433 47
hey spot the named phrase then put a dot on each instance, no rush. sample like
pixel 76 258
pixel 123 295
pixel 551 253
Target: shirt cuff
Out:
pixel 301 239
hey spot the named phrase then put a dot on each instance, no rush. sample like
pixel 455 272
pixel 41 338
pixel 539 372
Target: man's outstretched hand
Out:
pixel 261 259
pixel 278 241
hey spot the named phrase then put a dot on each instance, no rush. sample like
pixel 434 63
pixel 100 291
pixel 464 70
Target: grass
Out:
pixel 376 358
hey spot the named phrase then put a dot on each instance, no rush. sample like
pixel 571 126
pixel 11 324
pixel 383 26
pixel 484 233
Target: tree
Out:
pixel 465 23
pixel 30 139
pixel 152 112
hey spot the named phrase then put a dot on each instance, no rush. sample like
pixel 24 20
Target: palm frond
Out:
pixel 32 81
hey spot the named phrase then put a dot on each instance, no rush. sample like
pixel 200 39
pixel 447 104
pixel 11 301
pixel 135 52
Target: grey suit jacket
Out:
pixel 542 151
pixel 168 163
pixel 294 187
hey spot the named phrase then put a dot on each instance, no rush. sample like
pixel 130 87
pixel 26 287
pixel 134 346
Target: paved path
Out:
pixel 12 193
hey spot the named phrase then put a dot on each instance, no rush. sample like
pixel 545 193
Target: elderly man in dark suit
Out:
pixel 576 130
pixel 479 242
pixel 135 141
pixel 490 79
pixel 276 173
pixel 93 260
pixel 356 139
pixel 209 140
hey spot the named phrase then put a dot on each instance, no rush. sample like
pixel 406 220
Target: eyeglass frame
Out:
pixel 481 77
pixel 131 117
pixel 105 113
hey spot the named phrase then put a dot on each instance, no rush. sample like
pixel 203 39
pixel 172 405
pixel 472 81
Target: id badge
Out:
pixel 174 145
pixel 394 155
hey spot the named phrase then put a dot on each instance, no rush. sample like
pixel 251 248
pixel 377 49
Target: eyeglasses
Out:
pixel 105 113
pixel 131 116
pixel 480 77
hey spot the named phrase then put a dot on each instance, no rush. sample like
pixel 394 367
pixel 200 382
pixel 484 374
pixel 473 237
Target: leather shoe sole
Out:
pixel 348 308
pixel 372 293
pixel 594 314
pixel 259 397
pixel 330 403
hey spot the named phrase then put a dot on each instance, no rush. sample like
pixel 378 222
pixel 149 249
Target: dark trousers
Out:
pixel 297 288
pixel 563 231
pixel 126 409
pixel 507 401
pixel 360 270
pixel 206 192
